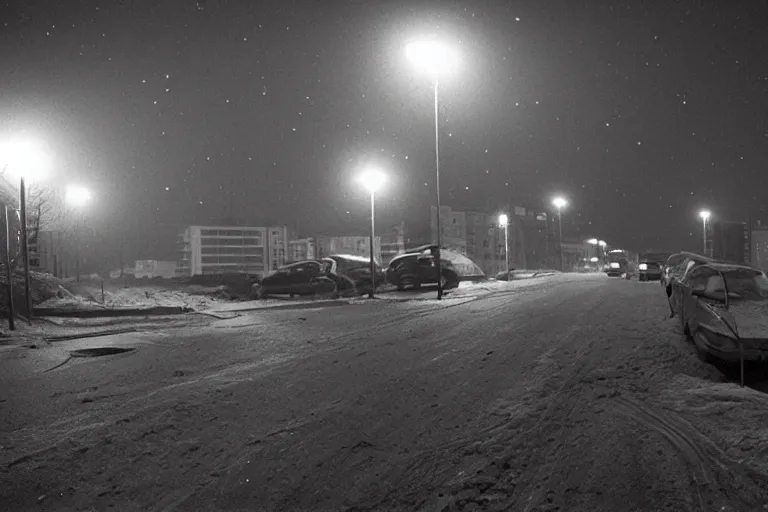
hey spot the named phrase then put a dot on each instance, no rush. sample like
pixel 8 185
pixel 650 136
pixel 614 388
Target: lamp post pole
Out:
pixel 25 246
pixel 438 263
pixel 373 231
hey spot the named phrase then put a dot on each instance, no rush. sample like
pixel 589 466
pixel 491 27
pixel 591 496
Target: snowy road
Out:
pixel 567 393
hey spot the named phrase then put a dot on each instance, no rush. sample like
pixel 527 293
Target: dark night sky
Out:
pixel 182 112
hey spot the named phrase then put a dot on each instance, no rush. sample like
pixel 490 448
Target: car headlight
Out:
pixel 615 265
pixel 643 266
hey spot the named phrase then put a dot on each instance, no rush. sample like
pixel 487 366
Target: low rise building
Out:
pixel 231 249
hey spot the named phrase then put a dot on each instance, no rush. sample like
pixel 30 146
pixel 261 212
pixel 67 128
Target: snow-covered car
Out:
pixel 676 268
pixel 358 269
pixel 723 308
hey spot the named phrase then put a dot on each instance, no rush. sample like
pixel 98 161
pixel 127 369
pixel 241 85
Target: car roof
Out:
pixel 350 257
pixel 732 267
pixel 297 263
pixel 404 256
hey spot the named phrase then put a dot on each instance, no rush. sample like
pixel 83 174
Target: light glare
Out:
pixel 503 220
pixel 705 214
pixel 77 196
pixel 372 180
pixel 25 158
pixel 432 56
pixel 559 202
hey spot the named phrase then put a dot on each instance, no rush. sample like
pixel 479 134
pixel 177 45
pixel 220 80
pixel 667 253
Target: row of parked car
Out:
pixel 722 307
pixel 341 274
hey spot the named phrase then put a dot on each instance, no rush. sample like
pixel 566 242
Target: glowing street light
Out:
pixel 438 60
pixel 560 203
pixel 705 216
pixel 504 222
pixel 24 159
pixel 372 180
pixel 78 197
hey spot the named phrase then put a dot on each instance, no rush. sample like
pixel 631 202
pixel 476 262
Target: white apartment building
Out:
pixel 231 249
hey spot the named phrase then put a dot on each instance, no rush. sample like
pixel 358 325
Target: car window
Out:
pixel 700 278
pixel 747 285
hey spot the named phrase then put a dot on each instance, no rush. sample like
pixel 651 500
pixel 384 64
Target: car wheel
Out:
pixel 363 287
pixel 704 356
pixel 409 282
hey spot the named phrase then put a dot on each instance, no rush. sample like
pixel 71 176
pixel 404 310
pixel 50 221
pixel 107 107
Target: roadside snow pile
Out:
pixel 139 297
pixel 731 416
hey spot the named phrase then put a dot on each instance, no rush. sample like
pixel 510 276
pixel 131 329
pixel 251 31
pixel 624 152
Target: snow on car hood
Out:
pixel 751 318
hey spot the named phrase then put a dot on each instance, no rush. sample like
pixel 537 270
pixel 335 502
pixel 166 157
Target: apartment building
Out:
pixel 477 235
pixel 231 249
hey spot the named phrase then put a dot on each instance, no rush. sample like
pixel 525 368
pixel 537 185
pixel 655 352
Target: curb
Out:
pixel 105 313
pixel 300 305
pixel 65 337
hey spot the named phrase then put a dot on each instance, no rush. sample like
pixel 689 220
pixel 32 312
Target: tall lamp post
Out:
pixel 25 160
pixel 560 203
pixel 77 196
pixel 705 215
pixel 372 180
pixel 436 59
pixel 504 223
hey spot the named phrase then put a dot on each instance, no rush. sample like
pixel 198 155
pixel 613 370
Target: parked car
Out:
pixel 309 277
pixel 358 269
pixel 676 268
pixel 412 270
pixel 723 309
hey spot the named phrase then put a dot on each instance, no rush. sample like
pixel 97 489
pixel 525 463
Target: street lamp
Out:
pixel 372 180
pixel 77 196
pixel 504 222
pixel 705 215
pixel 560 203
pixel 25 159
pixel 437 60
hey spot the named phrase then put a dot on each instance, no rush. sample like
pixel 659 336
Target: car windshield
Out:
pixel 746 285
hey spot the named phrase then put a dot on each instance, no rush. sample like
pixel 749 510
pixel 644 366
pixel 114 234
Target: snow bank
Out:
pixel 732 416
pixel 139 297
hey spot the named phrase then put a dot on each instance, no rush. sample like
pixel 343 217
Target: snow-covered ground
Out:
pixel 133 297
pixel 577 393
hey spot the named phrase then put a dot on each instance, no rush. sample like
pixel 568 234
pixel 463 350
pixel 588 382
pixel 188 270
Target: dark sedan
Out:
pixel 412 270
pixel 650 267
pixel 723 309
pixel 310 277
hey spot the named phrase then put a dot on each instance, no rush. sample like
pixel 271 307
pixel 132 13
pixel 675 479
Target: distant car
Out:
pixel 310 277
pixel 412 270
pixel 723 309
pixel 358 269
pixel 650 267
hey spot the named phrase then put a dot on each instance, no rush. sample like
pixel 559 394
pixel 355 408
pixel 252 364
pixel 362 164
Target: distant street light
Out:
pixel 25 159
pixel 372 180
pixel 560 203
pixel 78 197
pixel 504 222
pixel 705 215
pixel 437 60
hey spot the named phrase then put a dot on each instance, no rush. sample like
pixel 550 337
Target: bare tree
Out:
pixel 44 209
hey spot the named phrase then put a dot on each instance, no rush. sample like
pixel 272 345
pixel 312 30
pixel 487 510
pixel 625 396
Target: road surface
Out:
pixel 570 393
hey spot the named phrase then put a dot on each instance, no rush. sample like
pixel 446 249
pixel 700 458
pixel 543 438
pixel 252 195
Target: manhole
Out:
pixel 100 351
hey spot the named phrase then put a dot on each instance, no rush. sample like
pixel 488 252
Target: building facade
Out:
pixel 231 249
pixel 477 235
pixel 352 245
pixel 301 249
pixel 759 247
